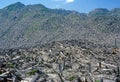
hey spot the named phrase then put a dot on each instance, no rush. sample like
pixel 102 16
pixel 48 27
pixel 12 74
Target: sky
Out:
pixel 83 6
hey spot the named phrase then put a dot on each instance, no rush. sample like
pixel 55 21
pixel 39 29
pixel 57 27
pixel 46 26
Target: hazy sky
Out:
pixel 78 5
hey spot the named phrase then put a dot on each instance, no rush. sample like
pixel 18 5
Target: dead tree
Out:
pixel 117 75
pixel 100 66
pixel 101 79
pixel 89 64
pixel 78 80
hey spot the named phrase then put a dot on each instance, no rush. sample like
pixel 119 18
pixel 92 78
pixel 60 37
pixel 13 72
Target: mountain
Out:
pixel 99 12
pixel 29 25
pixel 15 6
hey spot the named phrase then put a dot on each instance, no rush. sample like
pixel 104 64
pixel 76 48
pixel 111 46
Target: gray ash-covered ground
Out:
pixel 62 61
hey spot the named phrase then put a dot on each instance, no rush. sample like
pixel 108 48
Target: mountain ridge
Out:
pixel 29 25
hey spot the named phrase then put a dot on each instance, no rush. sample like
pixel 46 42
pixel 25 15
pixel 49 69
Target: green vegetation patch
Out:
pixel 32 72
pixel 71 78
pixel 10 65
pixel 97 81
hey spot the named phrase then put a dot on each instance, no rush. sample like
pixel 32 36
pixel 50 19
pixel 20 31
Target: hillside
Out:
pixel 29 25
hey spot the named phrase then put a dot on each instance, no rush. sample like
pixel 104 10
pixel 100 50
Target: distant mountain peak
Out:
pixel 99 11
pixel 17 5
pixel 115 10
pixel 37 6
